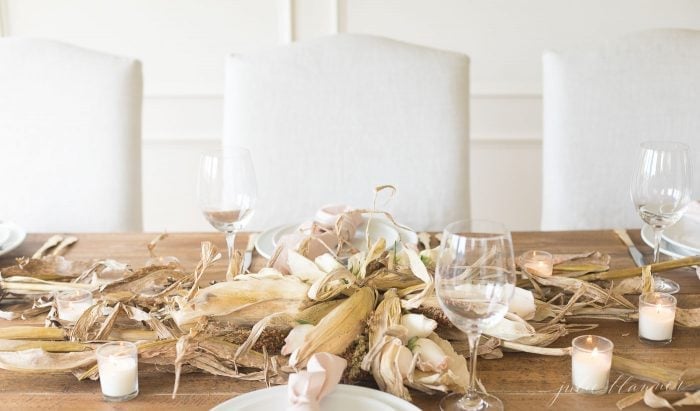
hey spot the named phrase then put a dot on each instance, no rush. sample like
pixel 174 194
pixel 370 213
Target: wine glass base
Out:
pixel 460 402
pixel 664 285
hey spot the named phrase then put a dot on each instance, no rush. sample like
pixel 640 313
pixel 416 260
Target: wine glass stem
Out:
pixel 657 243
pixel 230 240
pixel 473 337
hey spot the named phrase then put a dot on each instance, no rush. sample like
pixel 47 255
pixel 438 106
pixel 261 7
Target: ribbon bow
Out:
pixel 307 388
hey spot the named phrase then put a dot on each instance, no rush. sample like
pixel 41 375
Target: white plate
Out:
pixel 685 234
pixel 267 240
pixel 342 398
pixel 665 247
pixel 4 233
pixel 264 244
pixel 15 236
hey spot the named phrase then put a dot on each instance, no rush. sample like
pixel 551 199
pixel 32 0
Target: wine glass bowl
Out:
pixel 474 281
pixel 660 191
pixel 227 192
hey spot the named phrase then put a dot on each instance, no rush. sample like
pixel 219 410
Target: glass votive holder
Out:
pixel 591 359
pixel 118 367
pixel 72 304
pixel 536 262
pixel 657 312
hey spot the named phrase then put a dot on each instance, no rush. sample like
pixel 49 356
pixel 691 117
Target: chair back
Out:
pixel 600 103
pixel 70 138
pixel 330 119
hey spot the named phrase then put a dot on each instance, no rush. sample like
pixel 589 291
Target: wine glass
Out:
pixel 227 192
pixel 474 280
pixel 661 192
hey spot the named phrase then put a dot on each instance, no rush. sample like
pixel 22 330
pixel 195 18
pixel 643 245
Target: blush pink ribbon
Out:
pixel 326 216
pixel 307 388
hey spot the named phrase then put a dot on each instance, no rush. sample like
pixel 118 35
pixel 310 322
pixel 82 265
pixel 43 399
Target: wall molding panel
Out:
pixel 285 9
pixel 4 19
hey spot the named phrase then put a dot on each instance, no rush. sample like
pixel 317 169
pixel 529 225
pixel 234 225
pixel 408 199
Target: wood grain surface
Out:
pixel 522 381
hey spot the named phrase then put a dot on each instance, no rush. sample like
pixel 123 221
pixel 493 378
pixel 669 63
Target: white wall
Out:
pixel 182 45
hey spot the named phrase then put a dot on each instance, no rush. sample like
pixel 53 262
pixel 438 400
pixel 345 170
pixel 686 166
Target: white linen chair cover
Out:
pixel 600 103
pixel 70 137
pixel 329 119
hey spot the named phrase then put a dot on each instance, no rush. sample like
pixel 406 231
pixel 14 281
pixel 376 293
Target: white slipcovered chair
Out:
pixel 327 120
pixel 600 103
pixel 70 138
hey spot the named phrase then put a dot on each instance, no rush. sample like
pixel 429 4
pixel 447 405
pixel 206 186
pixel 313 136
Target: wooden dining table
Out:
pixel 523 381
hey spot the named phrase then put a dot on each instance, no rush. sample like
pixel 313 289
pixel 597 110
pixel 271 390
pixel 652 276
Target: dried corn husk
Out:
pixel 511 328
pixel 522 304
pixel 577 265
pixel 635 271
pixel 454 378
pixel 314 313
pixel 50 268
pixel 394 363
pixel 688 317
pixel 49 346
pixel 245 300
pixel 303 268
pixel 430 355
pixel 383 328
pixel 557 352
pixel 589 290
pixel 419 270
pixel 20 285
pixel 338 329
pixel 336 282
pixel 630 400
pixel 384 279
pixel 38 360
pixel 295 338
pixel 209 255
pixel 689 399
pixel 25 332
pixel 654 401
pixel 373 254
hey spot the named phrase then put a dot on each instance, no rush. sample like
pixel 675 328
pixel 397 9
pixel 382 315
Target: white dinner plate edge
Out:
pixel 16 237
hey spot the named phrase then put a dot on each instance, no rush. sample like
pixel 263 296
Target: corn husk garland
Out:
pixel 376 308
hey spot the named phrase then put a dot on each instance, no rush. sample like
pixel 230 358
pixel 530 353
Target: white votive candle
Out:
pixel 591 359
pixel 72 304
pixel 657 312
pixel 537 262
pixel 118 367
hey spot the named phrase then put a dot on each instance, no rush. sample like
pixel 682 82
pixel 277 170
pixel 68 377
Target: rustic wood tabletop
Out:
pixel 523 381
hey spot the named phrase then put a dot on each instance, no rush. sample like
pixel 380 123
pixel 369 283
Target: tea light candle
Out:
pixel 657 312
pixel 537 263
pixel 118 367
pixel 591 359
pixel 72 304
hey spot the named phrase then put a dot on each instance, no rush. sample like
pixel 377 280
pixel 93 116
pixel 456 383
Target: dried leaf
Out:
pixel 38 360
pixel 419 270
pixel 689 399
pixel 654 401
pixel 688 317
pixel 630 400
